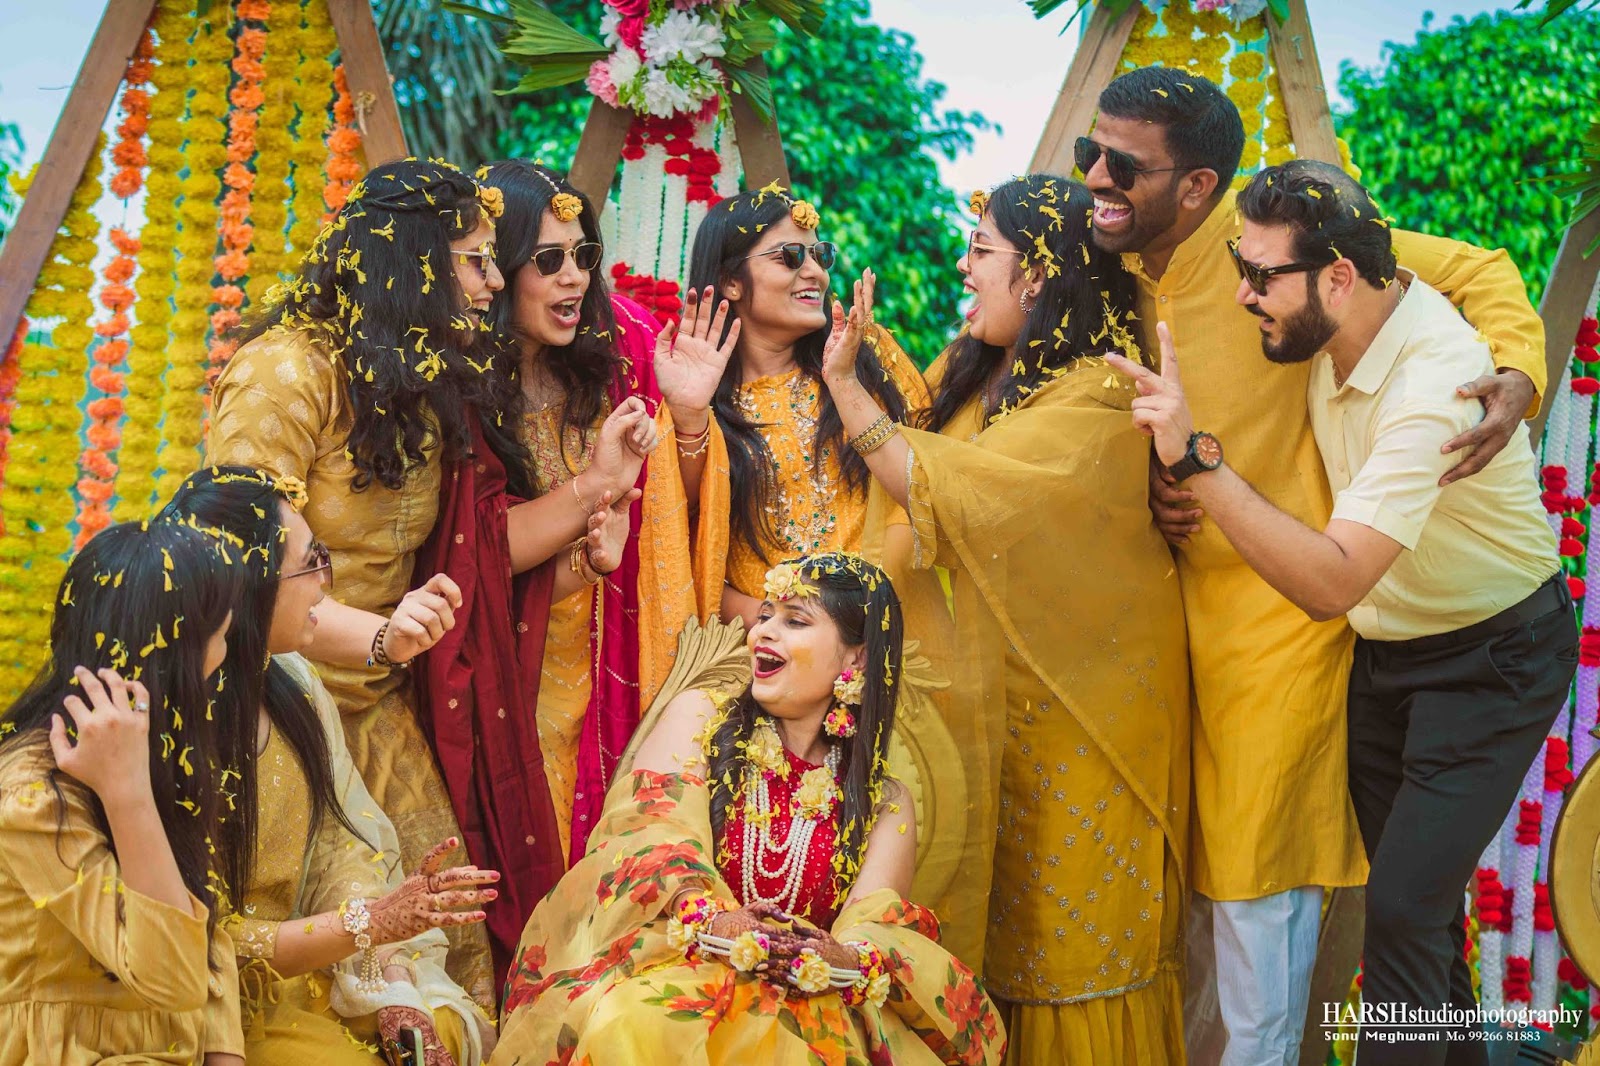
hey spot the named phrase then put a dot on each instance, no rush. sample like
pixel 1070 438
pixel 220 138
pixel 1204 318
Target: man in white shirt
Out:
pixel 1467 642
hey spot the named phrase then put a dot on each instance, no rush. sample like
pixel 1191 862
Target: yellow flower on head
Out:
pixel 804 215
pixel 783 582
pixel 979 203
pixel 293 490
pixel 493 200
pixel 565 206
pixel 809 973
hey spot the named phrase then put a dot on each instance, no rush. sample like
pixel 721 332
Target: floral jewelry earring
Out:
pixel 847 689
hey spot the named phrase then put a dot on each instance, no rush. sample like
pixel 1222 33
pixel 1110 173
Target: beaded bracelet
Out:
pixel 872 980
pixel 874 436
pixel 357 921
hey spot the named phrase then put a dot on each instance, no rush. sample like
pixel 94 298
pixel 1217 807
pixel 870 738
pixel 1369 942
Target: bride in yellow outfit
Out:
pixel 1024 484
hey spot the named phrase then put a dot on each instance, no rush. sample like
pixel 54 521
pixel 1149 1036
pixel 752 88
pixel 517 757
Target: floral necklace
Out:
pixel 783 861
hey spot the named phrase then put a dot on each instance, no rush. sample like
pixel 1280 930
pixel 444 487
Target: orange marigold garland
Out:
pixel 97 468
pixel 36 500
pixel 9 375
pixel 128 153
pixel 205 154
pixel 234 261
pixel 344 167
pixel 157 280
pixel 269 201
pixel 313 86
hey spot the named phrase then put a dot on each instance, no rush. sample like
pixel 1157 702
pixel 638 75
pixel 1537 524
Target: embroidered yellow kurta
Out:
pixel 809 506
pixel 89 968
pixel 281 406
pixel 1070 630
pixel 1272 808
pixel 291 1021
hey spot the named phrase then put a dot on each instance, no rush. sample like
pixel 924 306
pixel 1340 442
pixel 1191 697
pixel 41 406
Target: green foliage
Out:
pixel 1455 132
pixel 10 163
pixel 863 130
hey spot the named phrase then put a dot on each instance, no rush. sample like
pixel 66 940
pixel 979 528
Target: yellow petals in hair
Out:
pixel 565 206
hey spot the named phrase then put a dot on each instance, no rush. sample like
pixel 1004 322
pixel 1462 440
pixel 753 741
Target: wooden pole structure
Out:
pixel 1093 66
pixel 383 140
pixel 760 143
pixel 121 27
pixel 1305 98
pixel 1565 302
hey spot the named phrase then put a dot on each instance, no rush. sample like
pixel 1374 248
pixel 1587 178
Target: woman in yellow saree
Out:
pixel 760 917
pixel 1024 487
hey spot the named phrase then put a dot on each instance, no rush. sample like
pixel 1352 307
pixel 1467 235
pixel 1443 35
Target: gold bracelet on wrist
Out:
pixel 576 495
pixel 874 436
pixel 579 559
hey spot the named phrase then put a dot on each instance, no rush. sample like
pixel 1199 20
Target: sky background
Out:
pixel 992 55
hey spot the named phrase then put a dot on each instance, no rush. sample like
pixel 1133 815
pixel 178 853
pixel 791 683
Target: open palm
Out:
pixel 689 361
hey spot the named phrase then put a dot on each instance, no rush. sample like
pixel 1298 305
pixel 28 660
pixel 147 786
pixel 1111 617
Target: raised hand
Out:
pixel 692 356
pixel 391 1020
pixel 607 534
pixel 844 340
pixel 433 897
pixel 422 618
pixel 112 753
pixel 1160 411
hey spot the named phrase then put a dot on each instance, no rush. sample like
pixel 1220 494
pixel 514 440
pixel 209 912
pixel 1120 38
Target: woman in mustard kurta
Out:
pixel 1025 486
pixel 321 841
pixel 110 797
pixel 580 351
pixel 795 487
pixel 362 380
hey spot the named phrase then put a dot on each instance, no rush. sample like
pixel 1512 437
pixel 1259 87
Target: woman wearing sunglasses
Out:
pixel 581 351
pixel 797 489
pixel 371 378
pixel 322 847
pixel 1024 483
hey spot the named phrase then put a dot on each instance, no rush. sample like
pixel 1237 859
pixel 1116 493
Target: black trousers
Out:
pixel 1442 730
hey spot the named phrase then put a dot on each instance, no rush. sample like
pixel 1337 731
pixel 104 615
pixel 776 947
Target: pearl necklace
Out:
pixel 791 853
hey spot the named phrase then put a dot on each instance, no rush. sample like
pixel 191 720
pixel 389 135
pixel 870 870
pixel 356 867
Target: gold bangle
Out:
pixel 874 436
pixel 576 495
pixel 579 559
pixel 693 438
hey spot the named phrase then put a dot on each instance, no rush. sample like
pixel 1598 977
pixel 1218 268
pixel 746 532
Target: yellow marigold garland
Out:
pixel 147 359
pixel 205 153
pixel 274 147
pixel 37 502
pixel 314 93
pixel 233 263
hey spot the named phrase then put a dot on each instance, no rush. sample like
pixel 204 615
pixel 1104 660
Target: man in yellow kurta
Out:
pixel 1273 821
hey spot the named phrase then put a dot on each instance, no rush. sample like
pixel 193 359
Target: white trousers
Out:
pixel 1249 977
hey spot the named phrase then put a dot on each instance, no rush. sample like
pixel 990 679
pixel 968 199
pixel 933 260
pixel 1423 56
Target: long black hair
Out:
pixel 241 505
pixel 144 599
pixel 379 289
pixel 863 604
pixel 585 368
pixel 730 230
pixel 1084 308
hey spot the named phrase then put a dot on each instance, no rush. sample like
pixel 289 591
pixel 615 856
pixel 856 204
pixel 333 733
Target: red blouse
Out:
pixel 814 902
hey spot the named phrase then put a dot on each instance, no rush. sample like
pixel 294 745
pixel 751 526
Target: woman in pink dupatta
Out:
pixel 581 352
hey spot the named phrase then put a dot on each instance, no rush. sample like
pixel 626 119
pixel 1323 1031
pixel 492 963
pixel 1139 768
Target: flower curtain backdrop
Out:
pixel 236 135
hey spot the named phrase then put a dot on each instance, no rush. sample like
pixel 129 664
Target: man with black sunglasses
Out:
pixel 1467 643
pixel 1274 824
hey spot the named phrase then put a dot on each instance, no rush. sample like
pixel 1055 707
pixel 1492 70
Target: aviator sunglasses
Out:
pixel 1119 165
pixel 794 254
pixel 551 258
pixel 1258 276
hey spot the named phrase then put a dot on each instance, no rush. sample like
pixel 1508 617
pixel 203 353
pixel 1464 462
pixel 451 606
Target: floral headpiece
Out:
pixel 801 212
pixel 565 206
pixel 978 203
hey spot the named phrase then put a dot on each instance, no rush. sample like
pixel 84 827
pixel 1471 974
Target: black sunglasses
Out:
pixel 794 254
pixel 1258 276
pixel 551 258
pixel 1119 165
pixel 321 559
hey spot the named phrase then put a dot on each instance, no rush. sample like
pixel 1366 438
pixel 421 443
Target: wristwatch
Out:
pixel 1204 453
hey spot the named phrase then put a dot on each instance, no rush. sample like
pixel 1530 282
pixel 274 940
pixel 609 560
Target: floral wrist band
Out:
pixel 810 972
pixel 744 952
pixel 357 921
pixel 872 980
pixel 692 917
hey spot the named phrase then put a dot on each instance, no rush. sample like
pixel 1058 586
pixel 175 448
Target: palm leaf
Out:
pixel 1554 9
pixel 804 17
pixel 747 37
pixel 549 74
pixel 473 11
pixel 757 88
pixel 1582 184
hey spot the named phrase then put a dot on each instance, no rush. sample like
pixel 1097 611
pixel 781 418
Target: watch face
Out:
pixel 1208 450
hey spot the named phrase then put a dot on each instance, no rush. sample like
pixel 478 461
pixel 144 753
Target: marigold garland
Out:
pixel 314 91
pixel 9 374
pixel 344 166
pixel 36 502
pixel 128 153
pixel 157 259
pixel 234 261
pixel 269 204
pixel 205 153
pixel 104 434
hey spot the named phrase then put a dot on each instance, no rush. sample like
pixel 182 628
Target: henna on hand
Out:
pixel 432 898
